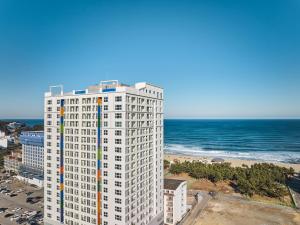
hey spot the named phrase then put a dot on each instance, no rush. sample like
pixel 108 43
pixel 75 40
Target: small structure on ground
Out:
pixel 175 200
pixel 217 160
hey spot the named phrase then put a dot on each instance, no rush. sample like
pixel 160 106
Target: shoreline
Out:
pixel 235 162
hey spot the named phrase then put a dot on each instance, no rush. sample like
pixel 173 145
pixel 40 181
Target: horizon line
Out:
pixel 195 118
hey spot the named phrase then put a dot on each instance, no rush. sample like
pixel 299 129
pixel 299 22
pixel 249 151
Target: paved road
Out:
pixel 192 218
pixel 294 186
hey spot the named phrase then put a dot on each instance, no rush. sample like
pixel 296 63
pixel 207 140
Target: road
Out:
pixel 192 218
pixel 294 186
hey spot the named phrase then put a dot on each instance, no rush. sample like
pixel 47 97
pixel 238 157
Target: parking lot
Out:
pixel 20 203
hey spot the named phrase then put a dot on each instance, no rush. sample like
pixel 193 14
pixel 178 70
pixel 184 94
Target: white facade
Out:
pixel 33 156
pixel 104 155
pixel 3 140
pixel 33 149
pixel 175 200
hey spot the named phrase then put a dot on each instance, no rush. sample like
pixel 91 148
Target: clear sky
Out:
pixel 214 58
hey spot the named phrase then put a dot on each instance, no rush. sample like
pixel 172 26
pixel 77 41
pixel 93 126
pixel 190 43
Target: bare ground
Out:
pixel 229 210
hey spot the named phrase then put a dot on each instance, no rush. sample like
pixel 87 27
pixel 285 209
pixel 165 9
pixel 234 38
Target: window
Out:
pixel 105 99
pixel 118 98
pixel 118 167
pixel 118 149
pixel 118 132
pixel 118 217
pixel 105 115
pixel 118 124
pixel 118 107
pixel 118 175
pixel 118 158
pixel 105 107
pixel 118 183
pixel 118 200
pixel 118 115
pixel 118 141
pixel 105 132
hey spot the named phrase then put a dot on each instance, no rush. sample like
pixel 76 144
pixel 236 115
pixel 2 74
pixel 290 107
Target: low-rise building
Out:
pixel 175 200
pixel 13 162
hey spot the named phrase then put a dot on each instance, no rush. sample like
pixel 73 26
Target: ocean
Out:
pixel 265 140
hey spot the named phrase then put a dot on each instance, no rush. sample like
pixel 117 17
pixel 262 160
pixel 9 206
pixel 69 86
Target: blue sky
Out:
pixel 220 59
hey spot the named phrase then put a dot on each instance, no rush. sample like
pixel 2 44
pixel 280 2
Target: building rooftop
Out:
pixel 107 86
pixel 172 184
pixel 32 138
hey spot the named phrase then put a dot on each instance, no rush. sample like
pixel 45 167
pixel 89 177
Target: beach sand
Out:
pixel 234 162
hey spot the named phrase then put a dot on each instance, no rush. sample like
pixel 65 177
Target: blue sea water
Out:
pixel 266 140
pixel 28 122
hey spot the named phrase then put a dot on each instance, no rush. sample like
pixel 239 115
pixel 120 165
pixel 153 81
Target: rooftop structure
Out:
pixel 106 87
pixel 172 184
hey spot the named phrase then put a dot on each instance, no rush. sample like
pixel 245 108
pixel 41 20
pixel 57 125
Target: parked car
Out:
pixel 8 215
pixel 2 210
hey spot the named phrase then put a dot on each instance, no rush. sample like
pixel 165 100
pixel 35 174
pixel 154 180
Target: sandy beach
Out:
pixel 233 161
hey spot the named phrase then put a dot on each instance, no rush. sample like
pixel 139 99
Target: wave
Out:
pixel 265 156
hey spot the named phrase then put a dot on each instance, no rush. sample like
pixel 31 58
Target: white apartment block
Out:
pixel 104 155
pixel 33 149
pixel 3 140
pixel 175 199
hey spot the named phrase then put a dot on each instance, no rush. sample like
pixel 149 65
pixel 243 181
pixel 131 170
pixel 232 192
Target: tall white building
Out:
pixel 104 155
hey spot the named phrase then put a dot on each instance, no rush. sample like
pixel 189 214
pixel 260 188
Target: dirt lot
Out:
pixel 19 201
pixel 229 210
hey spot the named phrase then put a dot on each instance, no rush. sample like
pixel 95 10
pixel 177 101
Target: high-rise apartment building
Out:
pixel 104 155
